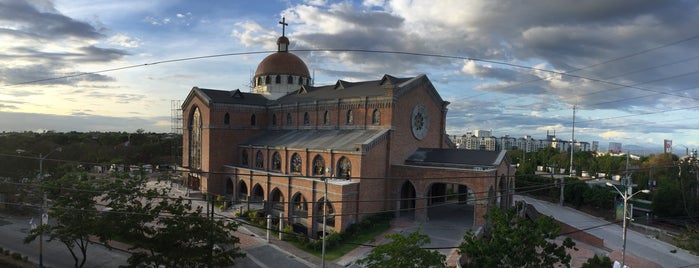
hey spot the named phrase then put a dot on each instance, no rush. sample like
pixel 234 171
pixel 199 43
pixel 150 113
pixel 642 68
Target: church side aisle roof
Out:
pixel 456 158
pixel 338 140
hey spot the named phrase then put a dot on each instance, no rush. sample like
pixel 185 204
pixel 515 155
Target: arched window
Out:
pixel 259 81
pixel 253 120
pixel 268 79
pixel 259 160
pixel 276 161
pixel 318 165
pixel 274 119
pixel 195 126
pixel 288 119
pixel 376 117
pixel 326 118
pixel 300 80
pixel 244 161
pixel 350 117
pixel 344 168
pixel 296 163
pixel 227 119
pixel 278 79
pixel 306 119
pixel 289 79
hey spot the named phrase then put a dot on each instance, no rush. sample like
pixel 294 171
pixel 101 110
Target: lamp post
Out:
pixel 325 213
pixel 44 214
pixel 625 196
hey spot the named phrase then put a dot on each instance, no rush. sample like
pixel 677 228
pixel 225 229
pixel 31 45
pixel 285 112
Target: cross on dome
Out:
pixel 284 24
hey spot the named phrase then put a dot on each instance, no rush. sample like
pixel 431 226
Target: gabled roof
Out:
pixel 210 96
pixel 343 90
pixel 338 140
pixel 388 86
pixel 456 158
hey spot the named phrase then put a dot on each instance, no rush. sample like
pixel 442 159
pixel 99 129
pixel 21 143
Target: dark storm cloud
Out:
pixel 46 44
pixel 622 42
pixel 43 22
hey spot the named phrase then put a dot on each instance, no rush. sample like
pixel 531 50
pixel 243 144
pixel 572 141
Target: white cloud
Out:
pixel 124 41
pixel 613 134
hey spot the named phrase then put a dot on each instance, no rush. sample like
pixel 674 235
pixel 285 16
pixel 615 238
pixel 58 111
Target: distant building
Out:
pixel 479 141
pixel 615 147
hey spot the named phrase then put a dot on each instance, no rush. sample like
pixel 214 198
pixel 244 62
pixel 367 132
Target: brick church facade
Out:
pixel 380 145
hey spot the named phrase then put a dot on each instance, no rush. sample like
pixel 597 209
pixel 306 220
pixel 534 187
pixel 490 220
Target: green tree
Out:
pixel 515 241
pixel 404 251
pixel 599 197
pixel 73 212
pixel 166 230
pixel 575 192
pixel 667 200
pixel 598 262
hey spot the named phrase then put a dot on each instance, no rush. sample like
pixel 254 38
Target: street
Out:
pixel 637 244
pixel 55 254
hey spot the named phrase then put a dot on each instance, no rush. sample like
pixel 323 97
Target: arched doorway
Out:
pixel 229 187
pixel 257 195
pixel 450 202
pixel 329 219
pixel 242 191
pixel 406 205
pixel 277 199
pixel 299 213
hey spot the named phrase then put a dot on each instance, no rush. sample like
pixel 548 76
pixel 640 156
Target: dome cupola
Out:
pixel 281 72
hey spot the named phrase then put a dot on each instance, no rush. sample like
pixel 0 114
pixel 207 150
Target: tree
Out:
pixel 165 230
pixel 515 241
pixel 599 197
pixel 598 262
pixel 73 212
pixel 404 251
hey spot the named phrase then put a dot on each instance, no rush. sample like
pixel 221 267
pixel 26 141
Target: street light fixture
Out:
pixel 44 213
pixel 625 196
pixel 325 213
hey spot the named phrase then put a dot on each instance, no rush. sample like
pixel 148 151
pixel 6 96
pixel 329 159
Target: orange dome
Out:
pixel 282 63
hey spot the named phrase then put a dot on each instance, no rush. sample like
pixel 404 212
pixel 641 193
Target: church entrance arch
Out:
pixel 229 187
pixel 406 203
pixel 450 201
pixel 242 191
pixel 257 195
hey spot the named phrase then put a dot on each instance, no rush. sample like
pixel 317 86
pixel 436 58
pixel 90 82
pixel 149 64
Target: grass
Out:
pixel 349 244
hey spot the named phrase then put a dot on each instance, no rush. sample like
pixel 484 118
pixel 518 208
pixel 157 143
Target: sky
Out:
pixel 624 71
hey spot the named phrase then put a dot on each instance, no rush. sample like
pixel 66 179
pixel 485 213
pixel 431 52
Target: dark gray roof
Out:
pixel 455 157
pixel 344 140
pixel 341 90
pixel 233 97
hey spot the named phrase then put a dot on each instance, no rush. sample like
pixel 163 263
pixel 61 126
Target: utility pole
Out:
pixel 572 144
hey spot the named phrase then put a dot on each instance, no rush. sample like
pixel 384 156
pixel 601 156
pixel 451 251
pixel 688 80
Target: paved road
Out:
pixel 55 254
pixel 638 244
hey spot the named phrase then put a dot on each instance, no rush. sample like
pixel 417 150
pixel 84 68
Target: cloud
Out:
pixel 124 40
pixel 81 122
pixel 48 46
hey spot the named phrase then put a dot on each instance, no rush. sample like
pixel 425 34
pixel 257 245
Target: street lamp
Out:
pixel 626 196
pixel 325 213
pixel 44 214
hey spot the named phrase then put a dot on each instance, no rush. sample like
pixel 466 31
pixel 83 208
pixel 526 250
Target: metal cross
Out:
pixel 284 24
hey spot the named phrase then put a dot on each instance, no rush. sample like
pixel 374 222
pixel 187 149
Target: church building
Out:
pixel 374 146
